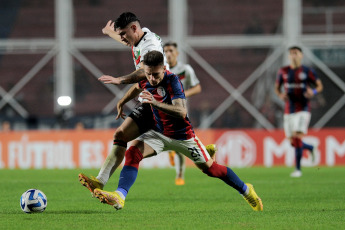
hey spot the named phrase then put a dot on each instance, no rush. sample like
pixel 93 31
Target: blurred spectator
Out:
pixel 79 126
pixel 5 126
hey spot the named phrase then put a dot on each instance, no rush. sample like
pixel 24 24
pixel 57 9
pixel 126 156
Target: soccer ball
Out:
pixel 33 200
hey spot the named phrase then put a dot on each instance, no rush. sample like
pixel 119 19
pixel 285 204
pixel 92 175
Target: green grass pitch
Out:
pixel 314 201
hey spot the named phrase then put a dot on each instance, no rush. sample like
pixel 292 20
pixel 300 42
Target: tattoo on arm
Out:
pixel 180 103
pixel 177 109
pixel 134 77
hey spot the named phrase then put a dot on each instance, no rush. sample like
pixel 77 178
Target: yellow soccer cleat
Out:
pixel 111 198
pixel 212 149
pixel 172 157
pixel 179 181
pixel 253 200
pixel 90 183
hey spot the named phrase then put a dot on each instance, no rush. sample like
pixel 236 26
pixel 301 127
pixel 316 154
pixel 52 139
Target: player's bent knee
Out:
pixel 133 157
pixel 119 140
pixel 216 170
pixel 119 134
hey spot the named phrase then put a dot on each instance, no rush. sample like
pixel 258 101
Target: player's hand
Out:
pixel 106 79
pixel 147 97
pixel 309 93
pixel 109 28
pixel 120 113
pixel 283 96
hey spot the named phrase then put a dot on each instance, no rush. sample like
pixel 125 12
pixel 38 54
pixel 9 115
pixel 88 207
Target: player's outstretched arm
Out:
pixel 110 31
pixel 177 109
pixel 133 77
pixel 193 90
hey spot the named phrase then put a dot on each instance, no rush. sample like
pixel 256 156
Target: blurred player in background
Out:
pixel 300 84
pixel 192 87
pixel 163 91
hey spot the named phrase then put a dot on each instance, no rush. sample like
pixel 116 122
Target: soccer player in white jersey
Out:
pixel 164 93
pixel 192 87
pixel 127 30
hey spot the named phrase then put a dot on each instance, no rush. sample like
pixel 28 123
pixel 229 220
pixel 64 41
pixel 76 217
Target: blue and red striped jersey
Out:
pixel 169 89
pixel 295 82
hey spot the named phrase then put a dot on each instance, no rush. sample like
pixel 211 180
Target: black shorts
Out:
pixel 143 117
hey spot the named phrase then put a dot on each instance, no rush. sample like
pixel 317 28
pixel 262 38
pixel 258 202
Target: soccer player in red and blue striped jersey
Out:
pixel 300 84
pixel 169 89
pixel 164 92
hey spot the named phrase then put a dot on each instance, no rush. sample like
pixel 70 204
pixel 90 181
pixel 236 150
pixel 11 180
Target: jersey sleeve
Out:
pixel 191 77
pixel 311 76
pixel 177 88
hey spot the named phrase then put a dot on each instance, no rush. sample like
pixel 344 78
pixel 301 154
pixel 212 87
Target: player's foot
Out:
pixel 253 200
pixel 296 173
pixel 212 149
pixel 179 181
pixel 172 157
pixel 90 183
pixel 111 198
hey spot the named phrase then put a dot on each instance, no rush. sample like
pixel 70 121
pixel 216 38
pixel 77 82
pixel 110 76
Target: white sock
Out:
pixel 180 166
pixel 110 163
pixel 246 192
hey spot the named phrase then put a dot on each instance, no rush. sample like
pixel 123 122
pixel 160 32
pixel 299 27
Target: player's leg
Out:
pixel 196 151
pixel 213 169
pixel 180 165
pixel 125 133
pixel 303 130
pixel 180 168
pixel 297 144
pixel 289 127
pixel 138 150
pixel 172 154
pixel 135 124
pixel 300 124
pixel 211 149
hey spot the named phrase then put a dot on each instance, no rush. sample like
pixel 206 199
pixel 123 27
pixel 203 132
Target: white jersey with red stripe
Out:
pixel 186 74
pixel 149 42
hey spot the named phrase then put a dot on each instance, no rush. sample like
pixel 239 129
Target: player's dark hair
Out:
pixel 295 48
pixel 153 58
pixel 124 19
pixel 174 44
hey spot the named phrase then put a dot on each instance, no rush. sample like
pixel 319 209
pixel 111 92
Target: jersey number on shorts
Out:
pixel 194 153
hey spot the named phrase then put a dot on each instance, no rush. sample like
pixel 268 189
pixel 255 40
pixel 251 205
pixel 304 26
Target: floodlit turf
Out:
pixel 315 201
